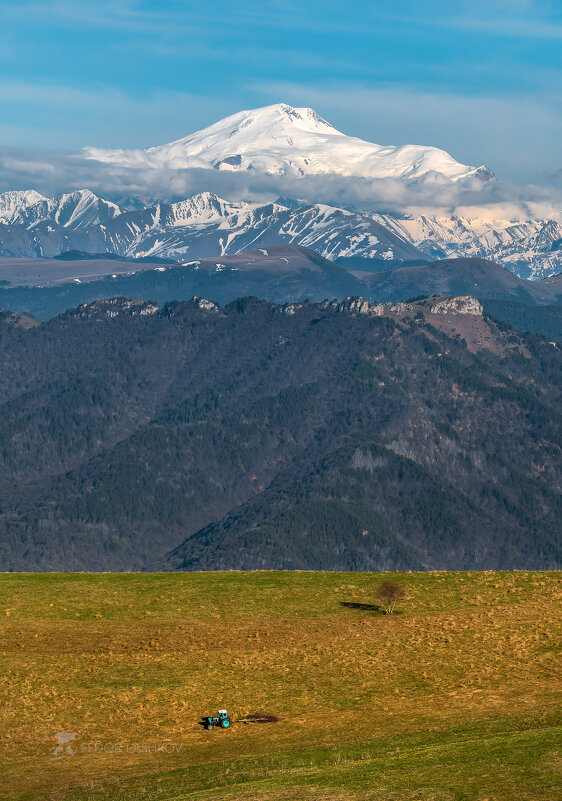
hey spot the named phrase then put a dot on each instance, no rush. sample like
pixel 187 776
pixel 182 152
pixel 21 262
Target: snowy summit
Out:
pixel 281 140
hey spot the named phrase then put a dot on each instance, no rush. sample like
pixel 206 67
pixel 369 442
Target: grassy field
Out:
pixel 455 698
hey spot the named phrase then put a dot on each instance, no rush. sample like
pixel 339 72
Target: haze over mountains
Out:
pixel 260 151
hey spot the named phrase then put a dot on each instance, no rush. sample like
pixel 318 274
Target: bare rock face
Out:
pixel 113 307
pixel 354 305
pixel 462 304
pixel 205 305
pixel 398 307
pixel 359 305
pixel 290 308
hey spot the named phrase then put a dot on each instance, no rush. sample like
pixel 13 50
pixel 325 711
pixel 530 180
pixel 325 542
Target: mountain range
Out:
pixel 335 435
pixel 281 273
pixel 278 141
pixel 204 226
pixel 527 246
pixel 199 227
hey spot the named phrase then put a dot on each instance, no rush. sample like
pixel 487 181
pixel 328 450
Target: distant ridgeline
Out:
pixel 280 273
pixel 336 435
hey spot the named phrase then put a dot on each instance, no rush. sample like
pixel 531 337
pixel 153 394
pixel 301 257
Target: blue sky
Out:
pixel 481 79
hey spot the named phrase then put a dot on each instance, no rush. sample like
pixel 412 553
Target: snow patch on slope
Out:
pixel 15 202
pixel 78 209
pixel 527 247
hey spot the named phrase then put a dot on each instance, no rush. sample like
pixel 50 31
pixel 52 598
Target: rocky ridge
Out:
pixel 113 307
pixel 353 305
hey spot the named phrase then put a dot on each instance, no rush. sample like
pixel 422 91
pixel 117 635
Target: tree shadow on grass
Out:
pixel 363 607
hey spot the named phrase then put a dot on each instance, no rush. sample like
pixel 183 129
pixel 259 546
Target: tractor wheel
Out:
pixel 209 726
pixel 225 723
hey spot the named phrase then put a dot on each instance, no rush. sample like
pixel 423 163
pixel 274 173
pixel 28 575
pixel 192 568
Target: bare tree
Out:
pixel 390 592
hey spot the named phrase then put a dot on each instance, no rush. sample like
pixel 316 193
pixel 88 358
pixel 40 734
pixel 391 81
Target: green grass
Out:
pixel 453 699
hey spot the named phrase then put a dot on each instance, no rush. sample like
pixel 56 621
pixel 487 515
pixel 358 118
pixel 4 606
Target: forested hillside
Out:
pixel 334 436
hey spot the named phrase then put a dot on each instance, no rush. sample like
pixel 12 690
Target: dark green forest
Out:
pixel 259 436
pixel 544 320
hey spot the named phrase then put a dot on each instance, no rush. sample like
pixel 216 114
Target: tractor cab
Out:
pixel 221 720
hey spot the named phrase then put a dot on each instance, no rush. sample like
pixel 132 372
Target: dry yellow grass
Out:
pixel 471 661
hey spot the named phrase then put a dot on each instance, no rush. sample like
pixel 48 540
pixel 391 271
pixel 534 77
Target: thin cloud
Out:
pixel 517 28
pixel 54 172
pixel 516 137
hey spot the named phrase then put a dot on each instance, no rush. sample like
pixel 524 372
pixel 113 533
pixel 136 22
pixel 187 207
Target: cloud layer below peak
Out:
pixel 51 172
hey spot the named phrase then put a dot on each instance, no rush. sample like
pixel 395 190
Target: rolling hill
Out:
pixel 279 273
pixel 455 696
pixel 478 277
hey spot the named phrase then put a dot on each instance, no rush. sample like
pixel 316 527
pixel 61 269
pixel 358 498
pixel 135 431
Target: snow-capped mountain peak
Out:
pixel 79 209
pixel 248 128
pixel 14 202
pixel 207 208
pixel 528 247
pixel 282 140
pixel 202 208
pixel 82 208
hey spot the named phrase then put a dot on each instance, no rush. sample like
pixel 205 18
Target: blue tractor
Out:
pixel 221 720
